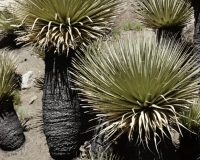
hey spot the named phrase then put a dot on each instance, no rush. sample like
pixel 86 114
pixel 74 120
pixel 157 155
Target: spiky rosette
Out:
pixel 65 24
pixel 137 85
pixel 164 14
pixel 8 79
pixel 191 119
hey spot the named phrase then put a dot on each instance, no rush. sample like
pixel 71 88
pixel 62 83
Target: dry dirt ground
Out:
pixel 35 147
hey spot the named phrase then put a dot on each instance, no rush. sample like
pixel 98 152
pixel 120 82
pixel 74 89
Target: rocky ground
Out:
pixel 32 68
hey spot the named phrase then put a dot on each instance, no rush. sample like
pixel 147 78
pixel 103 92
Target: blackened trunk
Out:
pixel 99 145
pixel 86 124
pixel 61 109
pixel 11 130
pixel 165 150
pixel 170 33
pixel 189 146
pixel 196 6
pixel 198 145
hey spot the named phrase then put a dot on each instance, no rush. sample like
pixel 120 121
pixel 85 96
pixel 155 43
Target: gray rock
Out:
pixel 26 82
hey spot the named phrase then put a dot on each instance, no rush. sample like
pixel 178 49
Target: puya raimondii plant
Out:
pixel 57 24
pixel 59 27
pixel 138 85
pixel 164 15
pixel 11 131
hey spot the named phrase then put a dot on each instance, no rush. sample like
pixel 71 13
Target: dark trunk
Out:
pixel 172 33
pixel 198 145
pixel 61 109
pixel 166 150
pixel 196 6
pixel 99 145
pixel 86 124
pixel 189 146
pixel 11 131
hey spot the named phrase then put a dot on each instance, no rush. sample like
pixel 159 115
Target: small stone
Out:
pixel 32 99
pixel 26 80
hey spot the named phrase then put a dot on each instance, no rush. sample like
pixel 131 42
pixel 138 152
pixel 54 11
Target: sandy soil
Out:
pixel 35 147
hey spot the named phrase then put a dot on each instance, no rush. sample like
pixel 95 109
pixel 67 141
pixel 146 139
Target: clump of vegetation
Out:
pixel 164 14
pixel 137 85
pixel 191 119
pixel 138 27
pixel 116 32
pixel 128 26
pixel 8 77
pixel 131 26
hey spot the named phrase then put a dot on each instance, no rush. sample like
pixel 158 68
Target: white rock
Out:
pixel 26 83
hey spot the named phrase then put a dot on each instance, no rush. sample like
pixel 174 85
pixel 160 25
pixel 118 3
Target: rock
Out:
pixel 175 138
pixel 32 99
pixel 26 83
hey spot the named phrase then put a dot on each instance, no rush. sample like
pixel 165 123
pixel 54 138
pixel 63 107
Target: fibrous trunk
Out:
pixel 11 131
pixel 189 146
pixel 61 109
pixel 100 144
pixel 171 32
pixel 196 6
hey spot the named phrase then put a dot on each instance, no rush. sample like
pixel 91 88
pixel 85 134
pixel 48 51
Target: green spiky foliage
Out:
pixel 191 118
pixel 8 79
pixel 65 23
pixel 164 14
pixel 8 22
pixel 137 85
